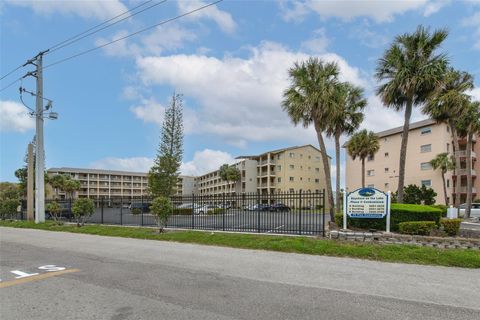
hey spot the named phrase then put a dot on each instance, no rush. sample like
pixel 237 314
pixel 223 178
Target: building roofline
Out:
pixel 280 150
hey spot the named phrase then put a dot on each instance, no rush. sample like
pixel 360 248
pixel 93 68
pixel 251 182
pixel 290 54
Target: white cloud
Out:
pixel 135 164
pixel 378 10
pixel 475 93
pixel 205 161
pixel 149 111
pixel 474 21
pixel 14 117
pixel 379 118
pixel 435 6
pixel 222 18
pixel 240 98
pixel 317 44
pixel 86 9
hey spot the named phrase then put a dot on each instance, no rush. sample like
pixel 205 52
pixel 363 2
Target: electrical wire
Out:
pixel 132 34
pixel 75 39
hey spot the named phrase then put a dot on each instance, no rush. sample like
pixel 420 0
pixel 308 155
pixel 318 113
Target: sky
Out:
pixel 230 62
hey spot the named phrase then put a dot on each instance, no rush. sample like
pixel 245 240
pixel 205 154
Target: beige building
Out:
pixel 291 169
pixel 96 183
pixel 426 139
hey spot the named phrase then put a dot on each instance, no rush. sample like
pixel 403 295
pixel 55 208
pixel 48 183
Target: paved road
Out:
pixel 115 278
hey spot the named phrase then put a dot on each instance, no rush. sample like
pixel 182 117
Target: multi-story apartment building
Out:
pixel 291 169
pixel 426 139
pixel 96 183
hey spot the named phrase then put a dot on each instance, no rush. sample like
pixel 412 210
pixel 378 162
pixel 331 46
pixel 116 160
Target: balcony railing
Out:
pixel 464 190
pixel 463 153
pixel 463 172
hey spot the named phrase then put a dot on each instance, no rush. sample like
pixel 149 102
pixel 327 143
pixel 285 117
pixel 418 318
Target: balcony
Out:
pixel 463 154
pixel 464 190
pixel 463 172
pixel 463 140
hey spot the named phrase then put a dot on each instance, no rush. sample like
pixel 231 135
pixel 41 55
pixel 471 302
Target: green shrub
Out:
pixel 476 200
pixel 136 211
pixel 417 227
pixel 399 213
pixel 451 226
pixel 161 209
pixel 441 207
pixel 183 211
pixel 54 209
pixel 215 211
pixel 82 209
pixel 8 208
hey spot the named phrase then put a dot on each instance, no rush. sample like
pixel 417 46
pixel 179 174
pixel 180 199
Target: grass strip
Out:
pixel 379 252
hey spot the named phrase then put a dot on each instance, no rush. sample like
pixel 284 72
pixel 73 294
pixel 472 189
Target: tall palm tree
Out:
pixel 444 162
pixel 468 125
pixel 57 181
pixel 361 145
pixel 345 118
pixel 309 100
pixel 409 71
pixel 445 105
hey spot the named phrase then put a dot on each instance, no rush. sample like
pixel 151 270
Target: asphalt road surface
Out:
pixel 54 275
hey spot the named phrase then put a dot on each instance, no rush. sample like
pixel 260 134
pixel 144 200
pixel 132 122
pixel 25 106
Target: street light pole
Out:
pixel 40 155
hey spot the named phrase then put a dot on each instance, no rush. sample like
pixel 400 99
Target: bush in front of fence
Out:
pixel 215 211
pixel 183 211
pixel 451 226
pixel 8 208
pixel 422 228
pixel 398 213
pixel 82 209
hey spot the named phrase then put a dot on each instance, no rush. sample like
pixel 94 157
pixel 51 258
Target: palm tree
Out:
pixel 468 125
pixel 445 105
pixel 309 100
pixel 57 182
pixel 361 145
pixel 230 174
pixel 409 71
pixel 444 162
pixel 346 117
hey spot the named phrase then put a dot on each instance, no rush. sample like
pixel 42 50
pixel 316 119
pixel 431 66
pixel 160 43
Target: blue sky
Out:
pixel 230 62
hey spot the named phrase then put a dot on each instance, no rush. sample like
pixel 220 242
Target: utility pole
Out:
pixel 40 154
pixel 30 196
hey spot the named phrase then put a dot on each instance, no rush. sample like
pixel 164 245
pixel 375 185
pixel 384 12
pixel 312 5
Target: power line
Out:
pixel 75 39
pixel 133 34
pixel 11 84
pixel 11 72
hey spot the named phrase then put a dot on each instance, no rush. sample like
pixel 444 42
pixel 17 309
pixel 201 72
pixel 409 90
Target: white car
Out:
pixel 474 212
pixel 203 209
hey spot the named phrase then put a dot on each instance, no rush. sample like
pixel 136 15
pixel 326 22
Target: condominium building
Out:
pixel 97 183
pixel 298 168
pixel 426 139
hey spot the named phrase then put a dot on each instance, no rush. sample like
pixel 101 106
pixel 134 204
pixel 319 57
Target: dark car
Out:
pixel 277 207
pixel 140 207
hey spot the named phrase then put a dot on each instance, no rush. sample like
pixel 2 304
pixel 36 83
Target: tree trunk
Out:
pixel 403 149
pixel 326 169
pixel 337 164
pixel 363 172
pixel 469 175
pixel 456 147
pixel 444 188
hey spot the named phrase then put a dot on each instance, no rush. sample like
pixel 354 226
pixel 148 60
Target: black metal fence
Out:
pixel 283 213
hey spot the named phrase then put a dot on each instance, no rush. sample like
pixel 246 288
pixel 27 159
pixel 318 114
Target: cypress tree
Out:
pixel 162 177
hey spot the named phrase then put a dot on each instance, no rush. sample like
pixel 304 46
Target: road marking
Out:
pixel 36 278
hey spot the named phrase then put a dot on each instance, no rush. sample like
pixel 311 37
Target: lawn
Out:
pixel 306 245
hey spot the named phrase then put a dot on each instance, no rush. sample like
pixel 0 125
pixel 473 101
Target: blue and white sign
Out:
pixel 367 203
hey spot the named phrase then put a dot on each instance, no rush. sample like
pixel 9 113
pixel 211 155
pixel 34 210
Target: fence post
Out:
pixel 101 206
pixel 141 206
pixel 258 212
pixel 193 210
pixel 223 212
pixel 121 211
pixel 323 213
pixel 300 212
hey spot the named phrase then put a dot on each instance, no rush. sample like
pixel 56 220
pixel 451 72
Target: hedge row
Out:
pixel 417 227
pixel 451 226
pixel 398 213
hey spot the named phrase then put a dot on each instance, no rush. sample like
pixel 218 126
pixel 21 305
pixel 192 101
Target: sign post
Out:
pixel 367 203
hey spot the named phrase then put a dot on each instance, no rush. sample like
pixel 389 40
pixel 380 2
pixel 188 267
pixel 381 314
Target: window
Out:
pixel 301 179
pixel 292 191
pixel 309 157
pixel 317 180
pixel 301 155
pixel 317 169
pixel 301 167
pixel 426 148
pixel 279 168
pixel 279 179
pixel 448 183
pixel 426 183
pixel 386 170
pixel 386 154
pixel 370 173
pixel 279 156
pixel 308 179
pixel 426 130
pixel 309 168
pixel 426 166
pixel 448 147
pixel 292 179
pixel 317 158
pixel 370 158
pixel 371 186
pixel 292 166
pixel 385 139
pixel 386 185
pixel 292 155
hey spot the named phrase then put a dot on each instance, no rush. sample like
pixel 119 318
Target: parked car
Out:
pixel 259 207
pixel 278 207
pixel 474 212
pixel 203 209
pixel 142 206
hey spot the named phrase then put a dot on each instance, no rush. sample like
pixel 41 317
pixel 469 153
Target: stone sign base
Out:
pixel 394 238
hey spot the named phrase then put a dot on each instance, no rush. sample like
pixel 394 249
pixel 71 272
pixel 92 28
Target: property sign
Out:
pixel 367 203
